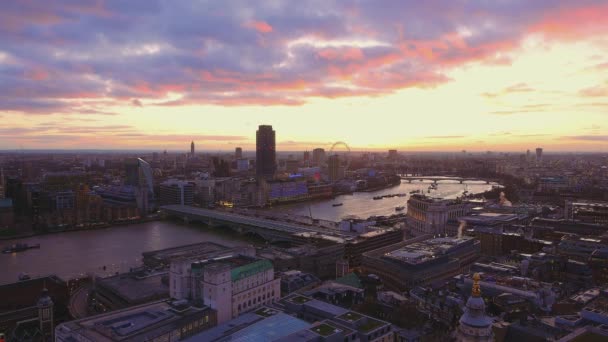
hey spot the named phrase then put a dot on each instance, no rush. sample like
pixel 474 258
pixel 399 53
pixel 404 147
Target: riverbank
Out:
pixel 77 229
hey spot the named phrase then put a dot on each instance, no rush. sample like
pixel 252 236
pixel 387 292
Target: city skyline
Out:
pixel 411 76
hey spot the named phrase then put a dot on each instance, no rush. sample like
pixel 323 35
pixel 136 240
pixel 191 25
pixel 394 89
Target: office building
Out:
pixel 418 262
pixel 539 154
pixel 318 157
pixel 175 191
pixel 157 321
pixel 335 170
pixel 139 175
pixel 300 319
pixel 426 215
pixel 587 211
pixel 192 149
pixel 265 153
pixel 130 289
pixel 231 285
pixel 306 156
pixel 202 250
pixel 279 191
pixel 392 154
pixel 238 153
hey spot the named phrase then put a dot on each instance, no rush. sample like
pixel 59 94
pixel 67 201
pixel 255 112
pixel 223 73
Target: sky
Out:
pixel 501 75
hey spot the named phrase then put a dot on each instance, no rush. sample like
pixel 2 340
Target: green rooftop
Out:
pixel 370 325
pixel 350 279
pixel 324 329
pixel 300 299
pixel 248 270
pixel 351 316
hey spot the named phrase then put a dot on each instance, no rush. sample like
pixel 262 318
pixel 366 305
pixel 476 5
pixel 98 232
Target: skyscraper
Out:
pixel 265 152
pixel 539 154
pixel 192 149
pixel 139 174
pixel 334 169
pixel 318 156
pixel 238 153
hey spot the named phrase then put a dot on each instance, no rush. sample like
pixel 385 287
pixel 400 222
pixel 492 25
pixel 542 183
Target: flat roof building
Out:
pixel 157 321
pixel 421 261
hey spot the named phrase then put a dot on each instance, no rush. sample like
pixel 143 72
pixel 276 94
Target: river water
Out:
pixel 73 254
pixel 362 205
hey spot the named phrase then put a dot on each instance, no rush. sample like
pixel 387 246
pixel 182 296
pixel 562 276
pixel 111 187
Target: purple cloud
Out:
pixel 239 52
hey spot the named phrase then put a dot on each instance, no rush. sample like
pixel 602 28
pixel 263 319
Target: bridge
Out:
pixel 436 179
pixel 268 229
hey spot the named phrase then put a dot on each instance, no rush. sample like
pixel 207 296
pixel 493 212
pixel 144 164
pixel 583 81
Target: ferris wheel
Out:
pixel 341 149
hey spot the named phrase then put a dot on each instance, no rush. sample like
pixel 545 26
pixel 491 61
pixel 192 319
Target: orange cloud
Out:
pixel 260 26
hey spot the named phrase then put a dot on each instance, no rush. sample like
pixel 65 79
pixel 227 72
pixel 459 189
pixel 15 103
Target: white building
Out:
pixel 231 285
pixel 426 215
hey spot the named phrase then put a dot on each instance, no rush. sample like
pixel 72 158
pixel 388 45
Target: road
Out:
pixel 79 302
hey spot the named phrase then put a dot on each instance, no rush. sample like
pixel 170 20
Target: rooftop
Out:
pixel 270 325
pixel 420 252
pixel 138 323
pixel 136 287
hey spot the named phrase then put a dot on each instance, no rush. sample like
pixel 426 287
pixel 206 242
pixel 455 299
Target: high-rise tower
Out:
pixel 192 149
pixel 265 152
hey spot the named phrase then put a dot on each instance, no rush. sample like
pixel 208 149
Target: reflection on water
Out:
pixel 361 204
pixel 75 253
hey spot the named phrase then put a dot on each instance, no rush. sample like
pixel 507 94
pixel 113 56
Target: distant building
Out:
pixel 156 321
pixel 335 170
pixel 238 153
pixel 587 211
pixel 192 149
pixel 176 192
pixel 279 191
pixel 539 154
pixel 392 154
pixel 318 156
pixel 266 164
pixel 306 156
pixel 139 175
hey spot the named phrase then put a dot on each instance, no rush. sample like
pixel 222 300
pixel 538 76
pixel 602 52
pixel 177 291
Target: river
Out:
pixel 361 204
pixel 73 254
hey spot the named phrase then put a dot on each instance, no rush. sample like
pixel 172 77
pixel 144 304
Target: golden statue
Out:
pixel 476 291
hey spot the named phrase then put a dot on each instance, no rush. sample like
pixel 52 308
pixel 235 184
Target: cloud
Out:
pixel 260 26
pixel 597 91
pixel 445 137
pixel 600 138
pixel 136 103
pixel 515 88
pixel 239 53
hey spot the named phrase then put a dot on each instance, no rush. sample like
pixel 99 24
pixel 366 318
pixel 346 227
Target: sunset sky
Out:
pixel 412 75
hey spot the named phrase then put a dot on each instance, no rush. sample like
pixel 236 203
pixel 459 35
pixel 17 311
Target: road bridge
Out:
pixel 436 179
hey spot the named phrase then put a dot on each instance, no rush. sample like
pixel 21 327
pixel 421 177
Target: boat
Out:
pixel 19 247
pixel 399 208
pixel 24 276
pixel 337 204
pixel 414 192
pixel 377 198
